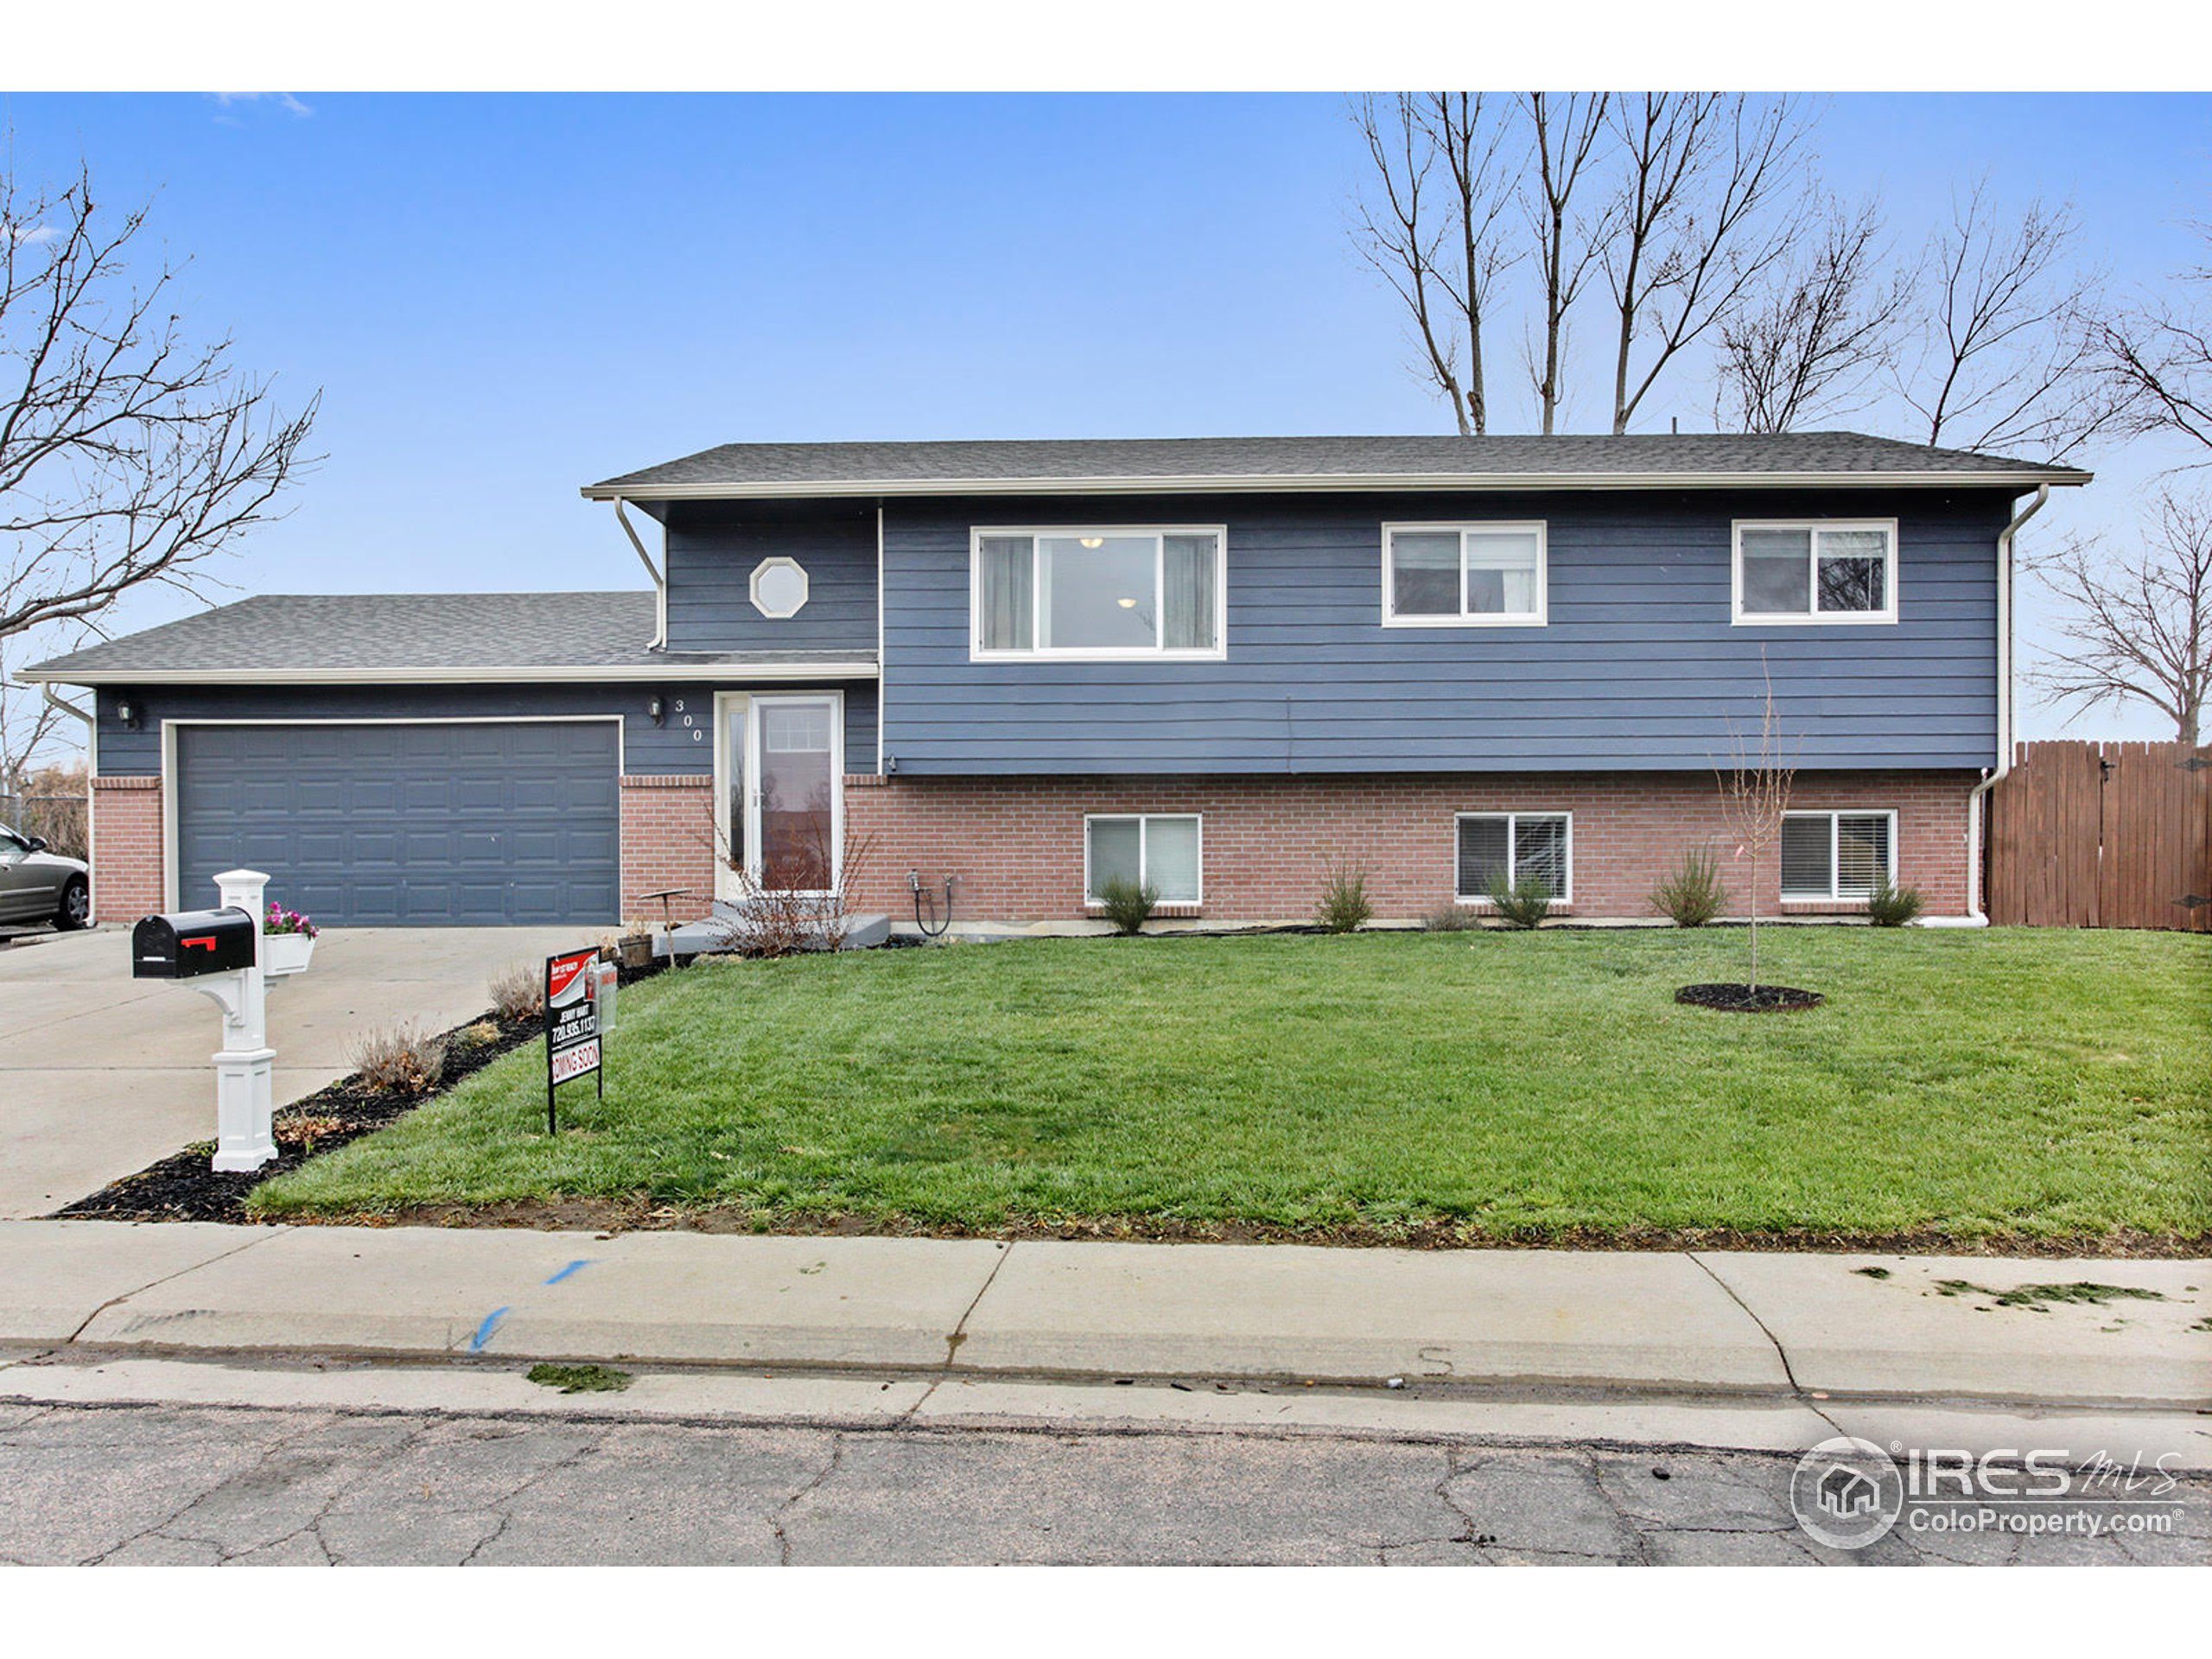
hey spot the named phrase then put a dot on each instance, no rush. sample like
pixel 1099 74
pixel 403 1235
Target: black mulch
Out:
pixel 182 1187
pixel 1749 999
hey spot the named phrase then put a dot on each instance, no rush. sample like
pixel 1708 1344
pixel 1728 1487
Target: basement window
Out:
pixel 1837 855
pixel 1155 849
pixel 1516 845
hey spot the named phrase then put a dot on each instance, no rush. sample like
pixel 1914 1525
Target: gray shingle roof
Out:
pixel 334 637
pixel 1028 465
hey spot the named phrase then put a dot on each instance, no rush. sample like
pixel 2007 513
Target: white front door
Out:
pixel 781 804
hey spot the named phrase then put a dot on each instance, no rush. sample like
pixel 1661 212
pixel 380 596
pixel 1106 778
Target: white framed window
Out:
pixel 1107 591
pixel 1837 855
pixel 1467 576
pixel 779 587
pixel 1815 570
pixel 1162 851
pixel 1514 845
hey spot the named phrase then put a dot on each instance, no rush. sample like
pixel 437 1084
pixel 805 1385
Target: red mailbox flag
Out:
pixel 571 1026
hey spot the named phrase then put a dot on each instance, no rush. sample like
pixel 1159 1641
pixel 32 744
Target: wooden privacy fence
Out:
pixel 2102 835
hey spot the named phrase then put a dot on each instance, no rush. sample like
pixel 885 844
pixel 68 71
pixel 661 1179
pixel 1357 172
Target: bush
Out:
pixel 1692 895
pixel 402 1059
pixel 1451 918
pixel 519 992
pixel 1344 906
pixel 1127 905
pixel 1521 903
pixel 1889 907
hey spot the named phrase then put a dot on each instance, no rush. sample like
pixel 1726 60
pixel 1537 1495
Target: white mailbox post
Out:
pixel 242 1107
pixel 212 951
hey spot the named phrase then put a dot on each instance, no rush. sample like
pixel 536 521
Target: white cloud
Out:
pixel 283 101
pixel 25 236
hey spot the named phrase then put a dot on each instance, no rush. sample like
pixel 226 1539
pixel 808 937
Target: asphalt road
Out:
pixel 198 1485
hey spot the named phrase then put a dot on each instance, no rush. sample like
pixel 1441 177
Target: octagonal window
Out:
pixel 779 587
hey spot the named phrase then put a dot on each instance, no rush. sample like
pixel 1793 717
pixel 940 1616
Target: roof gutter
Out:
pixel 1976 915
pixel 734 490
pixel 530 673
pixel 659 641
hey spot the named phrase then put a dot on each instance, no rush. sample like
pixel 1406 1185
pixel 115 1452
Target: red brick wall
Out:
pixel 668 840
pixel 127 862
pixel 1016 843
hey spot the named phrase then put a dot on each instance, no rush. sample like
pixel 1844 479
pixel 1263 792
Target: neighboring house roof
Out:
pixel 1688 460
pixel 373 638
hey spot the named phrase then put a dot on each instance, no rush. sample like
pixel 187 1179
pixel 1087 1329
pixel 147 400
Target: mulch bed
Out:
pixel 182 1187
pixel 1749 999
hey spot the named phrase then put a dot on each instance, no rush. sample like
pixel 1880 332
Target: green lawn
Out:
pixel 2012 1081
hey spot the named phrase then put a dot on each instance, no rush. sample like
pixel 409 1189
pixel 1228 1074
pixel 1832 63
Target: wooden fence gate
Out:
pixel 2102 835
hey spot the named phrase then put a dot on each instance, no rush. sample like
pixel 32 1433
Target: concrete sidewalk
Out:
pixel 1798 1326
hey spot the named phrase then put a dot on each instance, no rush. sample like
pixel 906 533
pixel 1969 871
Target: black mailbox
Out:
pixel 191 942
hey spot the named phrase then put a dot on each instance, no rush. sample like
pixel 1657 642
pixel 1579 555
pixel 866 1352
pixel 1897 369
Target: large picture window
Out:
pixel 1817 571
pixel 1837 855
pixel 1105 593
pixel 1514 847
pixel 1155 849
pixel 1463 575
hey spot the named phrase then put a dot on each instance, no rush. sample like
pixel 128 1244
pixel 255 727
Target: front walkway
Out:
pixel 101 1074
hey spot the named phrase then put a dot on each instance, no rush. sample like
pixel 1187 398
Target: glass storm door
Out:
pixel 792 817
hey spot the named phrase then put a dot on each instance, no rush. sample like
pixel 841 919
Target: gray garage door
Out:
pixel 419 826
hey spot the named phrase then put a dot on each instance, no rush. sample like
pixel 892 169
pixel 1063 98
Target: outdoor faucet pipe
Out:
pixel 1976 916
pixel 660 580
pixel 914 884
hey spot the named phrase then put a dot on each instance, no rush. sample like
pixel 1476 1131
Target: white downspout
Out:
pixel 1976 916
pixel 660 578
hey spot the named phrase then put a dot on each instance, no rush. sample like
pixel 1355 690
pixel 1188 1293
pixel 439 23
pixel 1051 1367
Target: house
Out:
pixel 1217 665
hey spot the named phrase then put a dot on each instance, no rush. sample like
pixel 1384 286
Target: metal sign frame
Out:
pixel 572 1039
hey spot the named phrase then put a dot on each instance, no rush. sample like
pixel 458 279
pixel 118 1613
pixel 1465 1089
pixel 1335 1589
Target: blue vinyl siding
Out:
pixel 1639 667
pixel 714 548
pixel 669 748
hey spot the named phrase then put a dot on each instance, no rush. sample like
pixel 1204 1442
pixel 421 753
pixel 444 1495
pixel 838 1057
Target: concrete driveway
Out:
pixel 101 1074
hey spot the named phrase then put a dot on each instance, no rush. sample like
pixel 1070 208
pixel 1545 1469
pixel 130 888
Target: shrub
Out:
pixel 1125 903
pixel 1521 903
pixel 402 1059
pixel 519 992
pixel 1451 918
pixel 1889 907
pixel 1692 894
pixel 1344 906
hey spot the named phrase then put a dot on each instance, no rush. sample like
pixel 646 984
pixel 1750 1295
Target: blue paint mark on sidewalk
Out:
pixel 484 1331
pixel 581 1262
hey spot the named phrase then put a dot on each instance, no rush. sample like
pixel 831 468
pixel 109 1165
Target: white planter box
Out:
pixel 284 954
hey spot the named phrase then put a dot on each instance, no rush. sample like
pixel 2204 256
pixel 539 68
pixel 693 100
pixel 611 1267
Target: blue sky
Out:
pixel 503 297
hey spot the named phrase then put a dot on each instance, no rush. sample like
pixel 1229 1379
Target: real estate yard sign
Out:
pixel 571 1024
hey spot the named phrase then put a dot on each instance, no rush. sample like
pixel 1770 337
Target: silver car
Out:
pixel 36 886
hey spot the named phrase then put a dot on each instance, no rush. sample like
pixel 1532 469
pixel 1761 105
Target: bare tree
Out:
pixel 2008 332
pixel 1443 170
pixel 2157 359
pixel 1755 789
pixel 1693 226
pixel 1813 336
pixel 34 733
pixel 128 455
pixel 2136 626
pixel 1567 136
